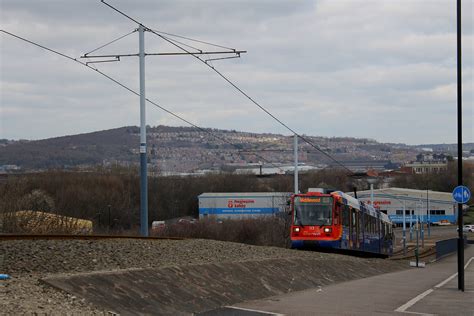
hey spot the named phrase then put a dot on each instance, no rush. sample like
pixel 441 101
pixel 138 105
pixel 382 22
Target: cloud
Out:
pixel 374 69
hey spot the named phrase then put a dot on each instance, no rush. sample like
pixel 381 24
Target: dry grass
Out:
pixel 35 222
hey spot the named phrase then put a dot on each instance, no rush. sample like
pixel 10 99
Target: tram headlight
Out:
pixel 296 229
pixel 327 229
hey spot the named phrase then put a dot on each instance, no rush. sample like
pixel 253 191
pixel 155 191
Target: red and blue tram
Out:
pixel 339 221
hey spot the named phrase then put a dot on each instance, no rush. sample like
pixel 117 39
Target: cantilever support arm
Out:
pixel 237 52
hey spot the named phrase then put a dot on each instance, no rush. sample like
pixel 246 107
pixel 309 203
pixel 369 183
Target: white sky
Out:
pixel 377 69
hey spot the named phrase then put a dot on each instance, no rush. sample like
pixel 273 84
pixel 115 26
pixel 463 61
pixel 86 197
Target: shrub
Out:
pixel 267 231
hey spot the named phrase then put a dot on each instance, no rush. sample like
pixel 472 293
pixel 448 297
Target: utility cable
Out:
pixel 199 50
pixel 169 34
pixel 255 102
pixel 232 84
pixel 194 40
pixel 136 93
pixel 111 42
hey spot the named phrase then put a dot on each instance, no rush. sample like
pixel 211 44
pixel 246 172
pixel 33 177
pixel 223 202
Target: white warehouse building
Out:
pixel 428 206
pixel 242 205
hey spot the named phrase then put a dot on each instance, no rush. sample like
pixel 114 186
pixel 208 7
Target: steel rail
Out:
pixel 425 253
pixel 80 237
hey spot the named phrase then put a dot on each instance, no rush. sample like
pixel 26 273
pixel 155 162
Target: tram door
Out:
pixel 351 227
pixel 354 229
pixel 358 232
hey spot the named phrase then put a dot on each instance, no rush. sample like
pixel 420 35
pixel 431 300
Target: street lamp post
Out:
pixel 459 128
pixel 371 181
pixel 296 163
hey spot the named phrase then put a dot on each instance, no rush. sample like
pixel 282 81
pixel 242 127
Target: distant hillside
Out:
pixel 452 148
pixel 185 149
pixel 74 150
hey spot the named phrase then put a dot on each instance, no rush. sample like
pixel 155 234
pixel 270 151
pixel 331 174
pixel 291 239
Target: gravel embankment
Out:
pixel 29 260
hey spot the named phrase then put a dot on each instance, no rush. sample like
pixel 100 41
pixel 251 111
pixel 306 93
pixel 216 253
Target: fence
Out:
pixel 447 246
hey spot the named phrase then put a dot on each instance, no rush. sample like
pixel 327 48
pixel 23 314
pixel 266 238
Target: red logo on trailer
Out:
pixel 230 204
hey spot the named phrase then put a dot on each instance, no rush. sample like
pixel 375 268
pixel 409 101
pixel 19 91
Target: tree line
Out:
pixel 111 198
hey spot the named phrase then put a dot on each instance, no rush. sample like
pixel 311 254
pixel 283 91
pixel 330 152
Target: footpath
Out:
pixel 420 291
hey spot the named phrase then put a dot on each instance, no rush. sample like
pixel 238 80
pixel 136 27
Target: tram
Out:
pixel 337 220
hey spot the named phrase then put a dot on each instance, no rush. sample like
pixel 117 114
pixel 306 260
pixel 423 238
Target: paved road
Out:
pixel 428 291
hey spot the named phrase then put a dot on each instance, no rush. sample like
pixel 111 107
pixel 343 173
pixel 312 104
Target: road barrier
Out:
pixel 447 246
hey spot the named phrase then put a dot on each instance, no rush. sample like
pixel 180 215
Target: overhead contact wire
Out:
pixel 232 84
pixel 199 50
pixel 194 40
pixel 132 91
pixel 170 34
pixel 253 101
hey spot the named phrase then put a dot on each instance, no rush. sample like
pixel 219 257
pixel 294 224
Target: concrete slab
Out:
pixel 446 299
pixel 235 311
pixel 384 294
pixel 200 288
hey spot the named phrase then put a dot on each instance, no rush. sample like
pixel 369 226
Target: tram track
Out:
pixel 427 252
pixel 397 255
pixel 80 237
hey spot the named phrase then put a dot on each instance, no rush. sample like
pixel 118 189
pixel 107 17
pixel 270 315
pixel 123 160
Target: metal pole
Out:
pixel 411 225
pixel 460 219
pixel 422 233
pixel 417 230
pixel 428 212
pixel 143 149
pixel 372 194
pixel 296 163
pixel 404 232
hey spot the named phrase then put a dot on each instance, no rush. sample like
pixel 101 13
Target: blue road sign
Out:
pixel 461 194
